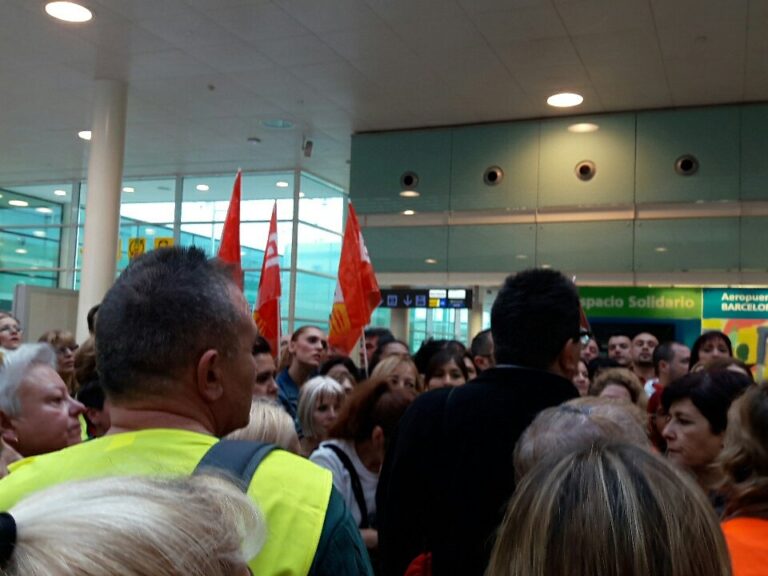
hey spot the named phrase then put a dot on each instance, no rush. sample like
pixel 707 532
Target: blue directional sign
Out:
pixel 426 298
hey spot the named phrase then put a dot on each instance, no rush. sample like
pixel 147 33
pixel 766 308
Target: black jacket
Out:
pixel 448 473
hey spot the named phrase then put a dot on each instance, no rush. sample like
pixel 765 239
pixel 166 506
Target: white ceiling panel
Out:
pixel 335 67
pixel 330 15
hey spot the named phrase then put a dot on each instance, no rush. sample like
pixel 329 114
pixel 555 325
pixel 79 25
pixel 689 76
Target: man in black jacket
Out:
pixel 448 473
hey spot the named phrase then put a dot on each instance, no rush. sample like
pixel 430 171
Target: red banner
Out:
pixel 229 247
pixel 357 291
pixel 267 310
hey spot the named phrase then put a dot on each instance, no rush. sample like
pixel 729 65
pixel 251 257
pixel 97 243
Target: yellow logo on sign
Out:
pixel 163 242
pixel 136 247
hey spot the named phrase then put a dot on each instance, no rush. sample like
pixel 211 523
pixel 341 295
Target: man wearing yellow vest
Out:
pixel 175 359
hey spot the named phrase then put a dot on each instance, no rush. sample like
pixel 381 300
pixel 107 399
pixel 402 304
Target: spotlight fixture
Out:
pixel 68 11
pixel 202 187
pixel 430 261
pixel 129 189
pixel 60 192
pixel 409 194
pixel 565 100
pixel 84 134
pixel 281 184
pixel 408 212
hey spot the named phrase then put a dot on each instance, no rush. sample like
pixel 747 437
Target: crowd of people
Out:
pixel 490 458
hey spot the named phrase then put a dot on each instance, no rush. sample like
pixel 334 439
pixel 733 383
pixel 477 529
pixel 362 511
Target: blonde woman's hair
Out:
pixel 387 366
pixel 135 526
pixel 314 390
pixel 578 424
pixel 269 423
pixel 620 377
pixel 744 458
pixel 612 510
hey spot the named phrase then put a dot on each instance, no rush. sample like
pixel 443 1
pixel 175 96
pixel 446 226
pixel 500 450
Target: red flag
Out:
pixel 229 247
pixel 357 292
pixel 267 311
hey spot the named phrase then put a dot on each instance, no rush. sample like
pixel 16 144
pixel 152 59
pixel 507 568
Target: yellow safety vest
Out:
pixel 291 492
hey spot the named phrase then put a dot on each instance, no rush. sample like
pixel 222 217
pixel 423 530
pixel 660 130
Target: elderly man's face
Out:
pixel 48 420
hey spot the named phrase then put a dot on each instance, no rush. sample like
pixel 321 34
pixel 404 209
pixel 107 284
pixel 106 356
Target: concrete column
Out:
pixel 102 207
pixel 399 324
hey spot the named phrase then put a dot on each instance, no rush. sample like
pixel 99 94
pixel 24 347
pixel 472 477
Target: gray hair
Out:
pixel 13 368
pixel 190 526
pixel 576 424
pixel 311 393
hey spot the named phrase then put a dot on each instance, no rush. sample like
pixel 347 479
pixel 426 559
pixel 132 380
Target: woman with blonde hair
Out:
pixel 10 331
pixel 63 341
pixel 269 423
pixel 399 371
pixel 744 461
pixel 320 402
pixel 132 526
pixel 651 519
pixel 619 383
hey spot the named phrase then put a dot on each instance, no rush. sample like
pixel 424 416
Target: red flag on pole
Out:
pixel 267 310
pixel 229 247
pixel 357 292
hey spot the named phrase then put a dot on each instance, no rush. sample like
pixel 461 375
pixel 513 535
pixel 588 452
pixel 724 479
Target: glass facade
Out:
pixel 41 231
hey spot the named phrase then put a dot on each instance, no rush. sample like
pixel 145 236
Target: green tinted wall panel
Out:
pixel 586 246
pixel 491 248
pixel 754 239
pixel 401 249
pixel 379 160
pixel 709 134
pixel 512 147
pixel 754 151
pixel 682 245
pixel 611 148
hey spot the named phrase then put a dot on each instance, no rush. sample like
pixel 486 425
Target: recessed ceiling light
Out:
pixel 21 250
pixel 277 123
pixel 565 100
pixel 522 256
pixel 149 231
pixel 661 248
pixel 19 203
pixel 546 266
pixel 84 134
pixel 129 189
pixel 60 192
pixel 281 184
pixel 409 194
pixel 202 187
pixel 68 11
pixel 39 233
pixel 408 212
pixel 430 261
pixel 583 128
pixel 301 194
pixel 44 210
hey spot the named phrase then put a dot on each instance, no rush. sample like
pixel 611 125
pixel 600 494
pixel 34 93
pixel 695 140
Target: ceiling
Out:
pixel 204 75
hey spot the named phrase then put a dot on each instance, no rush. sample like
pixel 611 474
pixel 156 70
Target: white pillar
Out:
pixel 399 324
pixel 102 208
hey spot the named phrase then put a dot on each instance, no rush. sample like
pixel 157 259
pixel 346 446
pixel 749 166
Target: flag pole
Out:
pixel 365 353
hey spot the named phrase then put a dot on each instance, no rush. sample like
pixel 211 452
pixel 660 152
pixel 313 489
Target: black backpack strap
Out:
pixel 238 458
pixel 357 487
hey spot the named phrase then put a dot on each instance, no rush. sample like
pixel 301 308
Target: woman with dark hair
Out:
pixel 744 462
pixel 341 369
pixel 710 345
pixel 307 351
pixel 356 450
pixel 446 368
pixel 697 405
